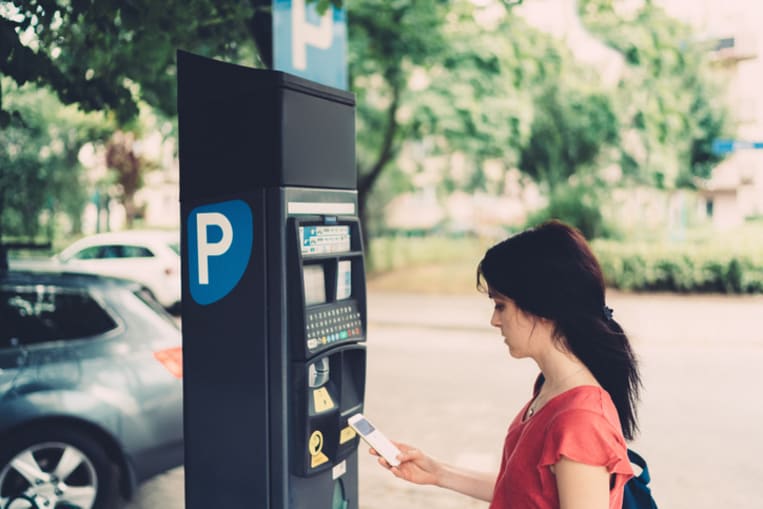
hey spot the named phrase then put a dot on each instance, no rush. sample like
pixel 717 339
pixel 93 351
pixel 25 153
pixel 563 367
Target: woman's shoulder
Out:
pixel 582 427
pixel 584 402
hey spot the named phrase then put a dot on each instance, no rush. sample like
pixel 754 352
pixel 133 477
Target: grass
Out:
pixel 433 264
pixel 440 278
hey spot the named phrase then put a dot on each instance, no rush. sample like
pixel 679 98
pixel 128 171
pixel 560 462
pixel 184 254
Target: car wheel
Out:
pixel 56 469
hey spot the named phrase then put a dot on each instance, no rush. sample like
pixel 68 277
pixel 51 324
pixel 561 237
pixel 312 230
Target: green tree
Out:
pixel 479 102
pixel 568 132
pixel 92 52
pixel 388 41
pixel 669 105
pixel 573 132
pixel 39 166
pixel 469 91
pixel 110 55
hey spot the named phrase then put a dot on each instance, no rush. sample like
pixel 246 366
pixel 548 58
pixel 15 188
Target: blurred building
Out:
pixel 161 197
pixel 731 30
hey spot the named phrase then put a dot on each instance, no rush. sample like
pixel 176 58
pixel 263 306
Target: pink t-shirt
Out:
pixel 581 424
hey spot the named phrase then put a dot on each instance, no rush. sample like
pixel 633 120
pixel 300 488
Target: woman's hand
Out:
pixel 415 466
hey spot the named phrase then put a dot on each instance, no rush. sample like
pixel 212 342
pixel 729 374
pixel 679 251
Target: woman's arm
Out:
pixel 418 468
pixel 581 486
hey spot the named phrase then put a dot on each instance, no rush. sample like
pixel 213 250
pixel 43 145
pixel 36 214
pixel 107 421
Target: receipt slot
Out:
pixel 274 298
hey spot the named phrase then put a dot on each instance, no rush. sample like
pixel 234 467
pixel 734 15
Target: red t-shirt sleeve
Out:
pixel 587 437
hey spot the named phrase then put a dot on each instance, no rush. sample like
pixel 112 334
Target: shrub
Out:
pixel 681 268
pixel 577 206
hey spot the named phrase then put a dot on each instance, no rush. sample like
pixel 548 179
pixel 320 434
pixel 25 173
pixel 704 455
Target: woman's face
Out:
pixel 516 326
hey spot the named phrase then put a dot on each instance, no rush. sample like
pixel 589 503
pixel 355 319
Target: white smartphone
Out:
pixel 375 438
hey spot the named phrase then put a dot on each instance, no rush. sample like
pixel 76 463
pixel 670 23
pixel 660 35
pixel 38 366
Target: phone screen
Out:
pixel 364 427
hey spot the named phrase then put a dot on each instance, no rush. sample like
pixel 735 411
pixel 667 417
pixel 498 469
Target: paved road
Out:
pixel 439 377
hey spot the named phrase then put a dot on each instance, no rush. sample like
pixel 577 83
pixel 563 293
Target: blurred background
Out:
pixel 638 121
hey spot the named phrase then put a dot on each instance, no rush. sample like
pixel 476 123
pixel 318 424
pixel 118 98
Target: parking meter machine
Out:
pixel 274 298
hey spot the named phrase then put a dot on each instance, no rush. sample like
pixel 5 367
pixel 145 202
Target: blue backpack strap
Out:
pixel 636 459
pixel 637 494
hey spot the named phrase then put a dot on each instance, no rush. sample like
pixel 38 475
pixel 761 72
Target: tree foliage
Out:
pixel 94 52
pixel 388 40
pixel 468 89
pixel 39 166
pixel 568 132
pixel 107 55
pixel 670 107
pixel 431 77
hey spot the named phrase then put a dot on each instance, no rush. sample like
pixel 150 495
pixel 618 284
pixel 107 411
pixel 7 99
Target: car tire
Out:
pixel 88 479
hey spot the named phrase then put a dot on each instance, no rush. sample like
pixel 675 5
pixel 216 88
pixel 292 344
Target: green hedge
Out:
pixel 681 268
pixel 704 262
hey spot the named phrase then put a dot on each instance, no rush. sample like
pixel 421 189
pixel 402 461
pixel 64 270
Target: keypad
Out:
pixel 340 322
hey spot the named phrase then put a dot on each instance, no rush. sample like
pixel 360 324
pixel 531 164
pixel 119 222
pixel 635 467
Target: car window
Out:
pixel 112 251
pixel 136 252
pixel 89 253
pixel 175 246
pixel 40 313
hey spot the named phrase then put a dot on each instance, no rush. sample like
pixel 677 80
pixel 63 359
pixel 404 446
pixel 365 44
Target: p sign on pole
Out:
pixel 308 44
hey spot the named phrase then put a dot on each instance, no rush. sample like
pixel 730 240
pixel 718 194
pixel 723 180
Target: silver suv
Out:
pixel 90 390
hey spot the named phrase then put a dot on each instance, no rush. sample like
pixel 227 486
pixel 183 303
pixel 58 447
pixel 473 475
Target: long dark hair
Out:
pixel 549 271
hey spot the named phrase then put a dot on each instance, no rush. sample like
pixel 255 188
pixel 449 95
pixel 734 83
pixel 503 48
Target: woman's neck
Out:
pixel 563 371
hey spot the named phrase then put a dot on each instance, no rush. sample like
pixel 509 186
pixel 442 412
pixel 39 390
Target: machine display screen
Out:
pixel 315 284
pixel 320 239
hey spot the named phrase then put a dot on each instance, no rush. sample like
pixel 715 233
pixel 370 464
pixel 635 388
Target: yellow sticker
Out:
pixel 346 435
pixel 318 460
pixel 315 447
pixel 315 444
pixel 322 400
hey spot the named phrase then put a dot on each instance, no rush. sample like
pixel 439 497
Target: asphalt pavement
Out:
pixel 439 377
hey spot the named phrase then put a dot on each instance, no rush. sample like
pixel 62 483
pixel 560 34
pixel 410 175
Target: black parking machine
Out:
pixel 274 297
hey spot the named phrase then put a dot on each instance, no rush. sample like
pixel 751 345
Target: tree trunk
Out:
pixel 387 151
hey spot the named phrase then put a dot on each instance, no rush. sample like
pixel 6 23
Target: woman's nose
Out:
pixel 495 320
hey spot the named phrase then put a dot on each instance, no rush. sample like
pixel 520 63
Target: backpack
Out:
pixel 637 493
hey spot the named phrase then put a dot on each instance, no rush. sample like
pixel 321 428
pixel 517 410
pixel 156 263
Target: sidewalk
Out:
pixel 649 319
pixel 700 415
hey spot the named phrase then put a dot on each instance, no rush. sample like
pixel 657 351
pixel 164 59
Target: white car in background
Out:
pixel 150 257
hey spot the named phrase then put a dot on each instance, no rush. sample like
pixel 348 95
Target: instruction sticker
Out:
pixel 322 400
pixel 346 435
pixel 315 448
pixel 339 470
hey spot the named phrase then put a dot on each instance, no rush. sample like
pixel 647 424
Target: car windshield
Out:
pixel 175 246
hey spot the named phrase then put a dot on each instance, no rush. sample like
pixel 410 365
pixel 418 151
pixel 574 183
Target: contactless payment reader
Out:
pixel 274 294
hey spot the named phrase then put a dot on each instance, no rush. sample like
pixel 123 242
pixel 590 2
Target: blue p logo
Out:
pixel 219 245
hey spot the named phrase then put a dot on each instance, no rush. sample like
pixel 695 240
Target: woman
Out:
pixel 566 447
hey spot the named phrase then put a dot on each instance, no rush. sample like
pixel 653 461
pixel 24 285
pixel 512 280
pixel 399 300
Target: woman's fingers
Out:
pixel 403 448
pixel 410 454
